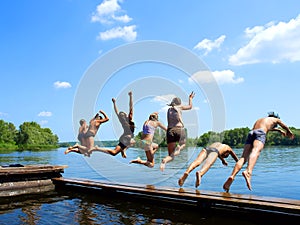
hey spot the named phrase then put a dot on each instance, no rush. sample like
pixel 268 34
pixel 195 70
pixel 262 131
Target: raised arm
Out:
pixel 130 115
pixel 190 105
pixel 115 106
pixel 105 119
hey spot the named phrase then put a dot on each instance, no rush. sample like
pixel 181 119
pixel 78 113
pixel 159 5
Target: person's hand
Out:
pixel 290 135
pixel 113 100
pixel 192 95
pixel 224 163
pixel 130 93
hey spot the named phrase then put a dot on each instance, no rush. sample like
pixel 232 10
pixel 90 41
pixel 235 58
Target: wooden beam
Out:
pixel 215 199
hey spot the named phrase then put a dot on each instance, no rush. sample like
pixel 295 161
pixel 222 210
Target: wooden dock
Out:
pixel 30 179
pixel 277 209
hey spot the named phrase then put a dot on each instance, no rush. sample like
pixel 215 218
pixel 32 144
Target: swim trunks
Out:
pixel 89 134
pixel 209 150
pixel 146 142
pixel 125 141
pixel 257 134
pixel 176 134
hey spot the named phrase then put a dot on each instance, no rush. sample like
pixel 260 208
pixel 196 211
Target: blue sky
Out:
pixel 251 48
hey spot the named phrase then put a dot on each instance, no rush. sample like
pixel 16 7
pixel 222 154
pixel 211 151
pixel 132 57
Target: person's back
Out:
pixel 82 131
pixel 94 125
pixel 266 124
pixel 149 128
pixel 174 117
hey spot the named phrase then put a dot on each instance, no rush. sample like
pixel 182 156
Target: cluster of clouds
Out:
pixel 44 114
pixel 269 43
pixel 110 14
pixel 278 41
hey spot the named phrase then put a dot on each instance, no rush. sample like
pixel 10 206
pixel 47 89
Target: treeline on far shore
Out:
pixel 29 136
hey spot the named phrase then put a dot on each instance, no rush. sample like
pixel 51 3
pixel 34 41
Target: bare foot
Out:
pixel 182 179
pixel 198 179
pixel 162 166
pixel 123 154
pixel 67 151
pixel 227 184
pixel 247 177
pixel 137 160
pixel 177 150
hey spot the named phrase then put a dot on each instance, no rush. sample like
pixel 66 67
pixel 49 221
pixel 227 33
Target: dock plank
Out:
pixel 280 205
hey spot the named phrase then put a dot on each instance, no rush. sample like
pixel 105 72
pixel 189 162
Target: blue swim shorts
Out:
pixel 257 134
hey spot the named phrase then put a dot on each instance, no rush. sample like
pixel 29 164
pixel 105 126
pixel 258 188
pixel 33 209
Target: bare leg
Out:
pixel 257 147
pixel 137 160
pixel 165 161
pixel 143 162
pixel 198 179
pixel 238 166
pixel 71 149
pixel 201 156
pixel 78 149
pixel 178 149
pixel 109 151
pixel 182 179
pixel 210 160
pixel 123 153
pixel 170 157
pixel 247 177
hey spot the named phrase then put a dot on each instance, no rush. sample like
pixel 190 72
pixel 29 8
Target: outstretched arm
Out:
pixel 233 155
pixel 279 130
pixel 190 105
pixel 285 127
pixel 224 162
pixel 130 115
pixel 115 106
pixel 161 126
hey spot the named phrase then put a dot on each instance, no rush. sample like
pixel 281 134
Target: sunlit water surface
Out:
pixel 276 174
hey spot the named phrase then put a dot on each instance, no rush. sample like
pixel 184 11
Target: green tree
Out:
pixel 8 133
pixel 31 134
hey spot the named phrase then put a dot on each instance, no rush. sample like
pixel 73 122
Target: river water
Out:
pixel 276 174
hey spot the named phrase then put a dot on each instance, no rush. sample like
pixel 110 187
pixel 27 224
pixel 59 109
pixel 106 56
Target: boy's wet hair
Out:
pixel 273 114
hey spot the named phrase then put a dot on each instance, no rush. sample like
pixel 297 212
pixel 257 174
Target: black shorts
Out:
pixel 124 141
pixel 176 134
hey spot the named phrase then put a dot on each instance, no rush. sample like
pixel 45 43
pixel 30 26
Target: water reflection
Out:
pixel 276 173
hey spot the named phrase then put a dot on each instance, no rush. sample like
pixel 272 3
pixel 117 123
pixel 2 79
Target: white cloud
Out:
pixel 109 12
pixel 62 84
pixel 226 77
pixel 272 42
pixel 127 33
pixel 43 122
pixel 45 114
pixel 221 77
pixel 3 114
pixel 209 45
